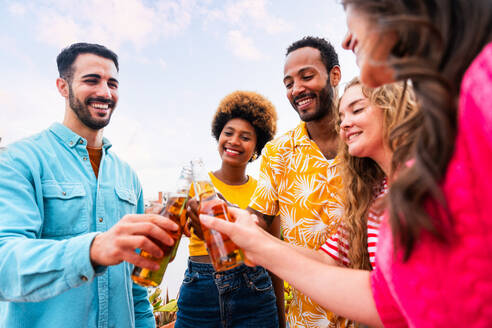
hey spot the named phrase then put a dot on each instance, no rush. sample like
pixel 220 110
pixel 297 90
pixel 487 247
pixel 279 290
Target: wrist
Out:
pixel 261 253
pixel 94 251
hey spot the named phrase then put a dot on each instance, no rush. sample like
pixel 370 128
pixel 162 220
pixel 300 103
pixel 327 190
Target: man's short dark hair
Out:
pixel 68 55
pixel 328 55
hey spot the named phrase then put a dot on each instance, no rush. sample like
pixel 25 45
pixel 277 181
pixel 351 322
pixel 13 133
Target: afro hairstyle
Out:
pixel 251 107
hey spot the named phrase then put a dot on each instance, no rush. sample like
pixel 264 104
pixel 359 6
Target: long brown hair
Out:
pixel 361 175
pixel 437 41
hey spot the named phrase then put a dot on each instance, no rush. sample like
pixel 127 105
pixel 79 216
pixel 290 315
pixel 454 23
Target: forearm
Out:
pixel 35 270
pixel 344 291
pixel 316 255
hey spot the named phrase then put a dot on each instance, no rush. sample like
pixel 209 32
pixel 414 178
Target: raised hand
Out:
pixel 144 231
pixel 244 231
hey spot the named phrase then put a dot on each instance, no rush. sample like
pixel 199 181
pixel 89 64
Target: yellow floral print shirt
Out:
pixel 298 183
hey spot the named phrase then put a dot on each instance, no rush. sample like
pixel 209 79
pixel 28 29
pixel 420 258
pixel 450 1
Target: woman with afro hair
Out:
pixel 243 296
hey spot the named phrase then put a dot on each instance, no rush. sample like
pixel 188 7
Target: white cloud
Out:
pixel 141 23
pixel 242 46
pixel 111 22
pixel 58 30
pixel 10 46
pixel 17 9
pixel 23 113
pixel 211 16
pixel 174 16
pixel 163 64
pixel 255 12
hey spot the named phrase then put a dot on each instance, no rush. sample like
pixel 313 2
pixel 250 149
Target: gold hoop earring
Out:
pixel 255 156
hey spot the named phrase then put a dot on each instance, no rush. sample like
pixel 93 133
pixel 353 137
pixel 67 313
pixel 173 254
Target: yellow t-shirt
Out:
pixel 298 183
pixel 239 195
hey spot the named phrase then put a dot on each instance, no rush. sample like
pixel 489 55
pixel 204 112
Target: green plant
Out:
pixel 164 309
pixel 288 296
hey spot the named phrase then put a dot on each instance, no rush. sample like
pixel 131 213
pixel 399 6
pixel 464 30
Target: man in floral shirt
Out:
pixel 299 184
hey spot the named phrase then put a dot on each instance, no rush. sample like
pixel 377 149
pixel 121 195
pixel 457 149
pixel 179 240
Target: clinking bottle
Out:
pixel 224 254
pixel 174 209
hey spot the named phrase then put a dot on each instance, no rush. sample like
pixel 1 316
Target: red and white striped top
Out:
pixel 331 246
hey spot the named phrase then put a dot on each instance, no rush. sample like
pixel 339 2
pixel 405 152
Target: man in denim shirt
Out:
pixel 71 213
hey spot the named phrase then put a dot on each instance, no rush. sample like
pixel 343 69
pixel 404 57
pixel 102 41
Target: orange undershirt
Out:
pixel 95 155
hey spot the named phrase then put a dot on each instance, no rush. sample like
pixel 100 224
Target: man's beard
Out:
pixel 84 114
pixel 324 105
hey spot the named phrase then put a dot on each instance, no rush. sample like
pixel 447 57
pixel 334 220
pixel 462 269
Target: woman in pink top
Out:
pixel 434 264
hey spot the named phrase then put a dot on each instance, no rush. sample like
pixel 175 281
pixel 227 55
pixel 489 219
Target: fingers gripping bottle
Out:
pixel 224 254
pixel 174 209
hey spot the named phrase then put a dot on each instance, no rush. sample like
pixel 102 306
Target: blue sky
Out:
pixel 178 59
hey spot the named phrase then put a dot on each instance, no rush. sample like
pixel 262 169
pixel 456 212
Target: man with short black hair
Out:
pixel 72 213
pixel 299 186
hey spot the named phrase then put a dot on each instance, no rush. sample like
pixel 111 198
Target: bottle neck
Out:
pixel 204 189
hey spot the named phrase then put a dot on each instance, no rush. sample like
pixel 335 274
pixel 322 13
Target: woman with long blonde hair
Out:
pixel 366 117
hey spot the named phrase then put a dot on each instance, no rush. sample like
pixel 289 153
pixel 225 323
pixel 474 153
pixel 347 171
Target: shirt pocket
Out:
pixel 65 209
pixel 127 201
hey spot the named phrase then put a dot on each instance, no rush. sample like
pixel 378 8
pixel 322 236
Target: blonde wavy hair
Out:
pixel 361 175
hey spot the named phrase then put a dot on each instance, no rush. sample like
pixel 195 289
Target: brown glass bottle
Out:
pixel 224 254
pixel 175 210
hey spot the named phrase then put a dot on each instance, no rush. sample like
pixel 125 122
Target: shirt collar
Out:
pixel 71 139
pixel 301 138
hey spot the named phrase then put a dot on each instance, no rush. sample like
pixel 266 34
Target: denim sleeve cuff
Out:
pixel 77 260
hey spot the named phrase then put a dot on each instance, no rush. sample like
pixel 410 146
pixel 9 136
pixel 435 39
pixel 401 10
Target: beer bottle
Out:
pixel 174 209
pixel 224 254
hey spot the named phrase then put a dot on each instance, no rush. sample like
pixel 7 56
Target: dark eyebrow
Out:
pixel 234 130
pixel 302 70
pixel 97 76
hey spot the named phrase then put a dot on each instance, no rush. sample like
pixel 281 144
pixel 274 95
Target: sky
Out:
pixel 178 59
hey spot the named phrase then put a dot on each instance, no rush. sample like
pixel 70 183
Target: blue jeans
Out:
pixel 236 298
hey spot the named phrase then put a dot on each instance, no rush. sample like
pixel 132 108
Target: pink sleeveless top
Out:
pixel 450 285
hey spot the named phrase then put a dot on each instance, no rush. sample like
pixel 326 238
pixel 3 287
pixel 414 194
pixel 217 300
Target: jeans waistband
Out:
pixel 205 268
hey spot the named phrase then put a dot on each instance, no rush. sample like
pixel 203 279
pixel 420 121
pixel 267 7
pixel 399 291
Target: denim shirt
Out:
pixel 51 208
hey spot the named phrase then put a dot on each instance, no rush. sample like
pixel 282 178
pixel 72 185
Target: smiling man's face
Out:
pixel 93 90
pixel 307 84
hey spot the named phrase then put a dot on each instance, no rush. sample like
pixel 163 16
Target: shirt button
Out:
pixel 71 143
pixel 64 193
pixel 100 219
pixel 85 158
pixel 83 278
pixel 81 141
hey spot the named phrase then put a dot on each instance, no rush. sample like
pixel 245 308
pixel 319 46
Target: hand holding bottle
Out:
pixel 133 231
pixel 243 230
pixel 174 210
